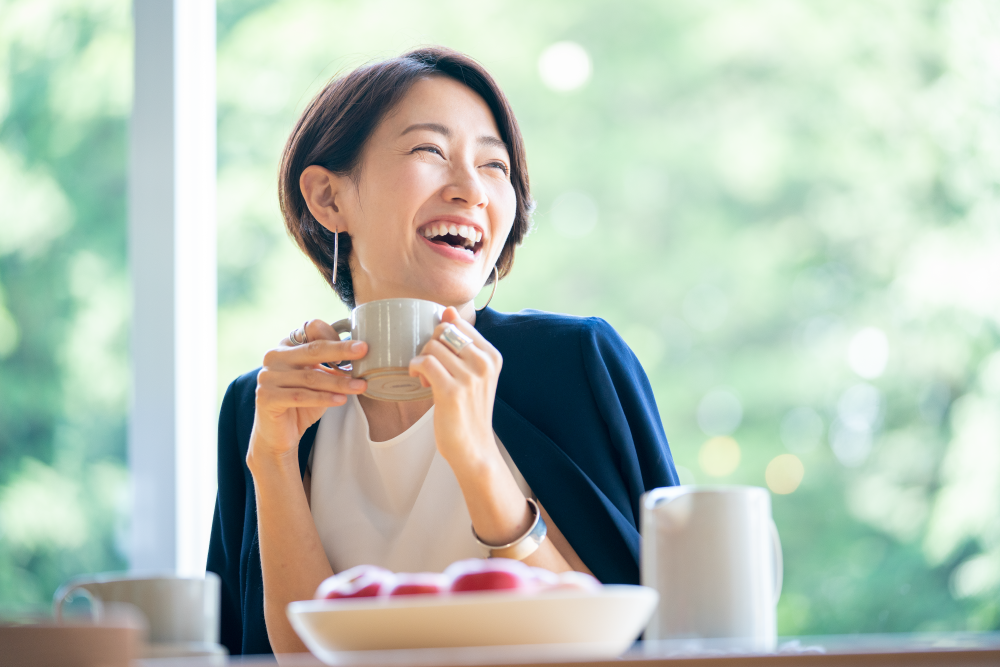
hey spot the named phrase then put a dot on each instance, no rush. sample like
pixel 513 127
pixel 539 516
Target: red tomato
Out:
pixel 357 582
pixel 489 574
pixel 419 583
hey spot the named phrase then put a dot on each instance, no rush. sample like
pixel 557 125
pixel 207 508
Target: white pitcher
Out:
pixel 714 555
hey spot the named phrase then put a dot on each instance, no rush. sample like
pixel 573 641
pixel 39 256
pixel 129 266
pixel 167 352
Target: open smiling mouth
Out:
pixel 462 237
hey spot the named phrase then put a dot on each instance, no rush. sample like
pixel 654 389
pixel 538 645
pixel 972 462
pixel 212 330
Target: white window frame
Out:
pixel 172 263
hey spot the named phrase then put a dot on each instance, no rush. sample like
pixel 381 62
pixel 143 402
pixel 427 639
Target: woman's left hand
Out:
pixel 464 387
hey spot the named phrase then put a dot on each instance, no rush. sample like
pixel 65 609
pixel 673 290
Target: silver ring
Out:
pixel 453 337
pixel 293 335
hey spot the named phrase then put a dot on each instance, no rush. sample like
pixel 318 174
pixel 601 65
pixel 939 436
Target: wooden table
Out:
pixel 937 649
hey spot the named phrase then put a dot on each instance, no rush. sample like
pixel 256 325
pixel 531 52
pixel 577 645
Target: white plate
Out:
pixel 599 624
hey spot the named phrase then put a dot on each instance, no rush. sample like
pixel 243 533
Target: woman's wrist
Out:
pixel 269 462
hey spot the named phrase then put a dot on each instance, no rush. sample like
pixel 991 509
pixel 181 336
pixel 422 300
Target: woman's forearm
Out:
pixel 292 557
pixel 500 513
pixel 293 392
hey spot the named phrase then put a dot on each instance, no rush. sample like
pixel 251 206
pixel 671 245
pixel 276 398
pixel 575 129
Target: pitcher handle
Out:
pixel 96 604
pixel 342 327
pixel 779 562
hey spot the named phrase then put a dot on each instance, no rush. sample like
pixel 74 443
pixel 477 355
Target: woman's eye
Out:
pixel 499 165
pixel 429 149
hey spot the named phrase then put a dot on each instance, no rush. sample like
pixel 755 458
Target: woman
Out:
pixel 407 178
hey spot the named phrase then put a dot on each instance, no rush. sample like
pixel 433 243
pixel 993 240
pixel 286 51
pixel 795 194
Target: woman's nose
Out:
pixel 466 187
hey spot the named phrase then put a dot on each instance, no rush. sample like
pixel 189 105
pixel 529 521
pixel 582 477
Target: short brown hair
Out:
pixel 334 128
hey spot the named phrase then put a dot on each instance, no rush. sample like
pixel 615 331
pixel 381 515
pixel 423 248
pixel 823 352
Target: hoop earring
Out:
pixel 496 279
pixel 336 252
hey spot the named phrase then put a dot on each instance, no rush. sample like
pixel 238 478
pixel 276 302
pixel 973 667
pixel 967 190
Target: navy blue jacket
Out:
pixel 574 410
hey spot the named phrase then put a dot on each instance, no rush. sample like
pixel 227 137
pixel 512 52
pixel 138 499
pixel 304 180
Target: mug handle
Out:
pixel 342 327
pixel 779 562
pixel 96 604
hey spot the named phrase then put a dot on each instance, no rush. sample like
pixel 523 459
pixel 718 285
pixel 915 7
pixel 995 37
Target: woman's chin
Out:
pixel 438 295
pixel 450 299
pixel 449 288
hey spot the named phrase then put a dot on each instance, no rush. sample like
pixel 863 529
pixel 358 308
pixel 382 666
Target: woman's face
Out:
pixel 434 202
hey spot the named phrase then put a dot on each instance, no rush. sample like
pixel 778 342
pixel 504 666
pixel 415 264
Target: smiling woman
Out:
pixel 347 115
pixel 407 179
pixel 430 166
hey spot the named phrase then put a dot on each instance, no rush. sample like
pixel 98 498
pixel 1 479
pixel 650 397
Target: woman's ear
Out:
pixel 324 193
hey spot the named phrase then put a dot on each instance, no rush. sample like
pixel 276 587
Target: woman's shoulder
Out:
pixel 239 403
pixel 537 342
pixel 243 387
pixel 531 322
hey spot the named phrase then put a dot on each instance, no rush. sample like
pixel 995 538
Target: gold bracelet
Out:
pixel 523 547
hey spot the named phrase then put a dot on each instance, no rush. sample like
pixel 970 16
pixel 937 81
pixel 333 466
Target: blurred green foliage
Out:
pixel 65 94
pixel 791 211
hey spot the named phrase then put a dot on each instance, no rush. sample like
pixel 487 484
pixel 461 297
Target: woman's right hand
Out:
pixel 294 390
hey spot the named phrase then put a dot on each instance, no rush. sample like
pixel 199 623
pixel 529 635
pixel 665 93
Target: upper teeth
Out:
pixel 441 229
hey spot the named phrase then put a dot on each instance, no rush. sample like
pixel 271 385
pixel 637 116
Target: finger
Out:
pixel 312 330
pixel 320 330
pixel 429 368
pixel 469 361
pixel 456 366
pixel 443 327
pixel 315 353
pixel 478 361
pixel 451 317
pixel 481 358
pixel 284 397
pixel 314 379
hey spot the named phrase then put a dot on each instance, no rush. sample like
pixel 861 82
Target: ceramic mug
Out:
pixel 179 610
pixel 396 330
pixel 714 555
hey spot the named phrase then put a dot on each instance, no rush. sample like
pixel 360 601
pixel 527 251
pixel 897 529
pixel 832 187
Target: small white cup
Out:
pixel 396 330
pixel 179 610
pixel 714 556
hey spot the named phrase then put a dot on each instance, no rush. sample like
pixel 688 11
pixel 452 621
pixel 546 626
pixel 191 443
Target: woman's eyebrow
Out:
pixel 433 127
pixel 490 140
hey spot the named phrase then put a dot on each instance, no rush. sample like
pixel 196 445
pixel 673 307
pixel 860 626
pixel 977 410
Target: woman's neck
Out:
pixel 468 312
pixel 389 419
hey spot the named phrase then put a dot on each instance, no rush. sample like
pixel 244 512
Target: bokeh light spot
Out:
pixel 719 456
pixel 784 474
pixel 564 66
pixel 868 352
pixel 860 406
pixel 859 413
pixel 801 430
pixel 719 412
pixel 976 576
pixel 850 444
